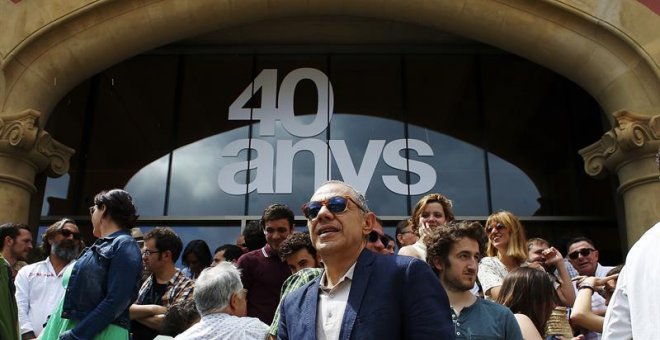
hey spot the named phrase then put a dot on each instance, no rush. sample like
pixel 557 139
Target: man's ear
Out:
pixel 369 221
pixel 8 241
pixel 233 301
pixel 437 264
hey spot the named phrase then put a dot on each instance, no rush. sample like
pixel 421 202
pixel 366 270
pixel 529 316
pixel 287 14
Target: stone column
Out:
pixel 25 151
pixel 629 150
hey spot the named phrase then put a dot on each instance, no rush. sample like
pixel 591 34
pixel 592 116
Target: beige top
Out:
pixel 331 306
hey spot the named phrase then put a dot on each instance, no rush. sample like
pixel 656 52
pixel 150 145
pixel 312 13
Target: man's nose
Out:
pixel 324 212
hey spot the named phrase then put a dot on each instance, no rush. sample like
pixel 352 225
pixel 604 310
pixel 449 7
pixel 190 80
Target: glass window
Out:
pixel 367 137
pixel 290 155
pixel 443 113
pixel 201 168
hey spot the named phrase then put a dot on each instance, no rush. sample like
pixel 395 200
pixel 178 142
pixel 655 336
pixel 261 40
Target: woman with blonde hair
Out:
pixel 506 251
pixel 431 211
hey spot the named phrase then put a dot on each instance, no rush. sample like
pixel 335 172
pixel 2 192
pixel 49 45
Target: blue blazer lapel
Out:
pixel 308 310
pixel 359 284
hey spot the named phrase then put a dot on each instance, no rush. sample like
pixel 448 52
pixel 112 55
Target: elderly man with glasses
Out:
pixel 39 285
pixel 346 301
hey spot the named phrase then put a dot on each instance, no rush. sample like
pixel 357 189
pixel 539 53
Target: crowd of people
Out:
pixel 341 279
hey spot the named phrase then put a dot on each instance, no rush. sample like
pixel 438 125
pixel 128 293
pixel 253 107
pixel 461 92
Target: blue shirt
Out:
pixel 486 320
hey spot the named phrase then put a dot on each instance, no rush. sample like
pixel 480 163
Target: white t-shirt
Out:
pixel 634 310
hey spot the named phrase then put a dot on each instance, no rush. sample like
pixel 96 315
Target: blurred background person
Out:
pixel 8 313
pixel 390 248
pixel 253 235
pixel 376 240
pixel 240 242
pixel 541 255
pixel 227 252
pixel 196 256
pixel 15 244
pixel 39 285
pixel 404 234
pixel 430 212
pixel 179 317
pixel 506 250
pixel 105 279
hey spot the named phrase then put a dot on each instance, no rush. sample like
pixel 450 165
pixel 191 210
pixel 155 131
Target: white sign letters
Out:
pixel 274 163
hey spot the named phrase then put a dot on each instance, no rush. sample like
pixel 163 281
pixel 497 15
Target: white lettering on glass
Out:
pixel 272 167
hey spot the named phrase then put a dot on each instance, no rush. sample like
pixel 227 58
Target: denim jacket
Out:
pixel 104 282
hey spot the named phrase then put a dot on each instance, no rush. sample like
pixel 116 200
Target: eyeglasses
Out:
pixel 336 205
pixel 67 233
pixel 148 252
pixel 497 226
pixel 405 232
pixel 375 236
pixel 584 252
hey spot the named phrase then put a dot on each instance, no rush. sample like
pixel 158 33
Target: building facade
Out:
pixel 207 111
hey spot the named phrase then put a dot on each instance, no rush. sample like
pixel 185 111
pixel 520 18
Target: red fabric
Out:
pixel 263 278
pixel 653 5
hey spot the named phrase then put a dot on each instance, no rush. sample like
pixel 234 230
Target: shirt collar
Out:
pixel 323 284
pixel 267 251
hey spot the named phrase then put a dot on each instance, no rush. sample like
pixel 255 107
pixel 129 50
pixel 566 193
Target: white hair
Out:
pixel 215 286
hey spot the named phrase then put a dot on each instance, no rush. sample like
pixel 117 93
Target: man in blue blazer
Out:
pixel 361 295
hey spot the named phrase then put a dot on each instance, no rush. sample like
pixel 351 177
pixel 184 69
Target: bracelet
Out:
pixel 586 287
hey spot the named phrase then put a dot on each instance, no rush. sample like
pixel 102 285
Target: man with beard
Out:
pixel 15 244
pixel 39 285
pixel 454 251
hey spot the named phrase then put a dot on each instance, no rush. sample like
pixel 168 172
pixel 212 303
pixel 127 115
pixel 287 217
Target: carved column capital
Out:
pixel 633 135
pixel 21 137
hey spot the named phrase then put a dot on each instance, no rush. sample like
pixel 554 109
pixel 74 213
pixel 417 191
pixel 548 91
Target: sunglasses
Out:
pixel 497 226
pixel 336 205
pixel 584 252
pixel 374 236
pixel 67 233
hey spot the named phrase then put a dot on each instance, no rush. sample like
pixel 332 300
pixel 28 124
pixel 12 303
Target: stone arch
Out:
pixel 613 67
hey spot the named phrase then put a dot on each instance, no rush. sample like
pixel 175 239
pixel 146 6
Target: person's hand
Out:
pixel 594 281
pixel 552 256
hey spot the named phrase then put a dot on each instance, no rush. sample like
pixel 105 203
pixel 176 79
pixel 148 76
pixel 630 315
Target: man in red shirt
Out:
pixel 262 271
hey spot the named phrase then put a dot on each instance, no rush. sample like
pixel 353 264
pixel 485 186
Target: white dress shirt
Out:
pixel 634 310
pixel 38 291
pixel 222 326
pixel 597 301
pixel 331 305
